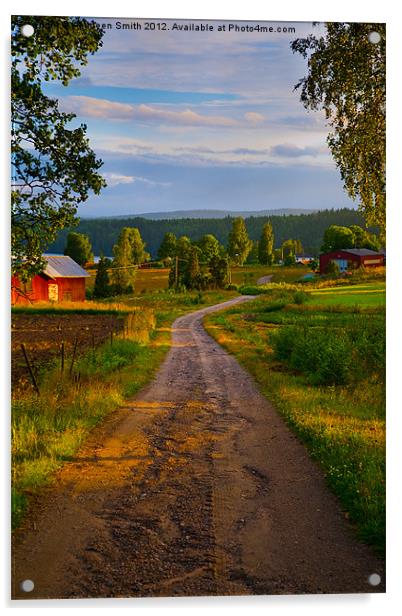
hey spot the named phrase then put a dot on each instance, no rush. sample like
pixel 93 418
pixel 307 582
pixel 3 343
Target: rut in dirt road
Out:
pixel 196 487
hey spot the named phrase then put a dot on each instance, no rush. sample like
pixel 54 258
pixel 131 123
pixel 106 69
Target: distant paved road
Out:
pixel 264 279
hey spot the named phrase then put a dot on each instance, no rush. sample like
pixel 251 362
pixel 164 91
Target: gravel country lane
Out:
pixel 195 487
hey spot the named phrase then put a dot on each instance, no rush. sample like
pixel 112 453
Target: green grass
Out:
pixel 364 295
pixel 342 426
pixel 48 429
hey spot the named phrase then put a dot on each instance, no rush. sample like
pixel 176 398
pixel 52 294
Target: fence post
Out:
pixel 62 356
pixel 35 384
pixel 73 357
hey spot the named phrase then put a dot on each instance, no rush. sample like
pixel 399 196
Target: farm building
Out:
pixel 351 258
pixel 62 280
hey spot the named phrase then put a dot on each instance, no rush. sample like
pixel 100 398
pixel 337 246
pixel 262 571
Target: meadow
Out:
pixel 322 366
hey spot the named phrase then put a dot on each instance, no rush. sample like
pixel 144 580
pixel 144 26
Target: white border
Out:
pixel 305 10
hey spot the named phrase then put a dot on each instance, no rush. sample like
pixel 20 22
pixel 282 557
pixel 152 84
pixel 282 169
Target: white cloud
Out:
pixel 254 118
pixel 114 179
pixel 102 108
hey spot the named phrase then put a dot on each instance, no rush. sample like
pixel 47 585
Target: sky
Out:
pixel 202 120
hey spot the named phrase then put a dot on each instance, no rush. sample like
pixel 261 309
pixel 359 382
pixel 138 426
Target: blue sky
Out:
pixel 186 120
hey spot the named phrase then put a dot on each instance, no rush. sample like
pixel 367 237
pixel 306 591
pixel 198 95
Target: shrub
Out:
pixel 231 287
pixel 323 355
pixel 300 297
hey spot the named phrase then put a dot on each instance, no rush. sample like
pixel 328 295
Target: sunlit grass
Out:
pixel 342 426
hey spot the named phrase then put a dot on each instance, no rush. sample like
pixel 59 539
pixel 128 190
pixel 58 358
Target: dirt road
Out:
pixel 196 487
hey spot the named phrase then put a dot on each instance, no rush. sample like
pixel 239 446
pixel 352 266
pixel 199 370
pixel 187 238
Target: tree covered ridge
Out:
pixel 309 228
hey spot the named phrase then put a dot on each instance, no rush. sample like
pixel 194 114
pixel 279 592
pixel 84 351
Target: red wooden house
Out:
pixel 61 280
pixel 351 258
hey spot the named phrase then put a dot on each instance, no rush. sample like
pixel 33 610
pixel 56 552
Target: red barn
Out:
pixel 351 258
pixel 61 280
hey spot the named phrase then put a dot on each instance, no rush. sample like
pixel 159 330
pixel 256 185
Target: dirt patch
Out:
pixel 42 336
pixel 196 487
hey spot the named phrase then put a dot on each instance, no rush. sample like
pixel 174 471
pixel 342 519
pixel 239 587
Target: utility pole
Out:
pixel 176 272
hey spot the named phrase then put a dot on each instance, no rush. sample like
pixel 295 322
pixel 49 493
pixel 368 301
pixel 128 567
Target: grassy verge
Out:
pixel 48 429
pixel 341 424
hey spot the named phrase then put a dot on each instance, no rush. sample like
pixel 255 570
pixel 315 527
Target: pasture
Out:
pixel 364 295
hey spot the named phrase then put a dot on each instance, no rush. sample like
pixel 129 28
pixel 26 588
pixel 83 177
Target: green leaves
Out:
pixel 346 78
pixel 239 245
pixel 53 166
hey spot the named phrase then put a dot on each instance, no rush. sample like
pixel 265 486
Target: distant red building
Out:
pixel 351 258
pixel 62 280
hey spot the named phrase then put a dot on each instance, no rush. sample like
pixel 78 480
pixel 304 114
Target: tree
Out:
pixel 191 272
pixel 336 238
pixel 79 248
pixel 124 270
pixel 266 245
pixel 167 249
pixel 53 167
pixel 252 256
pixel 364 239
pixel 239 244
pixel 137 246
pixel 346 78
pixel 102 282
pixel 183 247
pixel 209 247
pixel 218 269
pixel 289 250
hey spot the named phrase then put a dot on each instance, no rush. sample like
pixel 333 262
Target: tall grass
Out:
pixel 48 429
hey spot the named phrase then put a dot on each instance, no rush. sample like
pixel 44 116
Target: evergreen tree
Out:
pixel 239 244
pixel 79 248
pixel 192 273
pixel 266 245
pixel 102 282
pixel 168 247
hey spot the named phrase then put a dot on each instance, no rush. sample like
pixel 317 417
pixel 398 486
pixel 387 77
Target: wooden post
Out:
pixel 35 384
pixel 176 272
pixel 73 357
pixel 62 356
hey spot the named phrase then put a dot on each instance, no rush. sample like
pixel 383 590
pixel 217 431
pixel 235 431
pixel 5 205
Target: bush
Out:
pixel 324 355
pixel 231 287
pixel 300 297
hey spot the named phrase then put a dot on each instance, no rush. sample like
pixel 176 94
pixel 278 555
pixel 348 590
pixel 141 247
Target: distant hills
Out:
pixel 177 214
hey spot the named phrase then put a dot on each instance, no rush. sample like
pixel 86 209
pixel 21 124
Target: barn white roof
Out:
pixel 63 267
